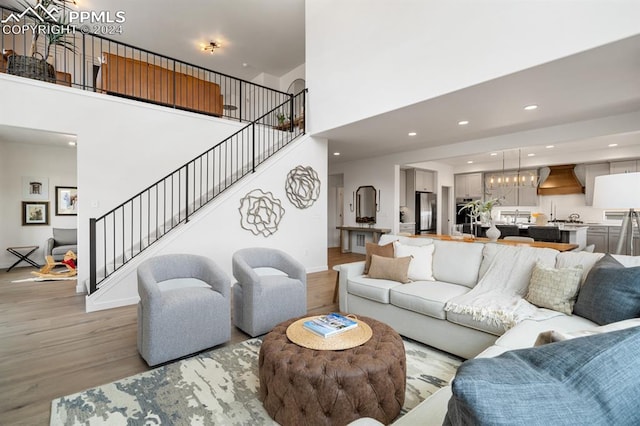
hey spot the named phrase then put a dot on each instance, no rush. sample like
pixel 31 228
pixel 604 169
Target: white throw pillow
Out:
pixel 420 268
pixel 558 336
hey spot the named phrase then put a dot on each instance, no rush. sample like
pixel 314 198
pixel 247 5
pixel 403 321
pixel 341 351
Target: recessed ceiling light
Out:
pixel 412 133
pixel 530 107
pixel 531 154
pixel 470 162
pixel 71 143
pixel 463 123
pixel 336 153
pixel 611 145
pixel 550 146
pixel 493 154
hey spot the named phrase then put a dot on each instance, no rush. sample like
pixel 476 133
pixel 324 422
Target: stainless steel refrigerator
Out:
pixel 426 213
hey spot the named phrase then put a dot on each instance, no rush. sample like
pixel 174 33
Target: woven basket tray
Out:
pixel 346 340
pixel 34 68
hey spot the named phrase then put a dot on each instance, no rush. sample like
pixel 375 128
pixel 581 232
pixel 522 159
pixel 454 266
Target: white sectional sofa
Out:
pixel 419 309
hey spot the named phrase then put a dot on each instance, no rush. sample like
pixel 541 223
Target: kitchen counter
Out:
pixel 573 233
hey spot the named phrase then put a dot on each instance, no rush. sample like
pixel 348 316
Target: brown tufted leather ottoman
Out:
pixel 305 386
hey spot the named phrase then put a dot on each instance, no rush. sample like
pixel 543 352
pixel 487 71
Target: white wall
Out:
pixel 215 231
pixel 288 78
pixel 123 146
pixel 400 53
pixel 58 165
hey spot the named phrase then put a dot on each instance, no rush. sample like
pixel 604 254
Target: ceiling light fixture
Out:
pixel 530 107
pixel 336 153
pixel 493 154
pixel 412 133
pixel 71 143
pixel 531 154
pixel 213 45
pixel 463 122
pixel 470 162
pixel 515 180
pixel 612 145
pixel 550 146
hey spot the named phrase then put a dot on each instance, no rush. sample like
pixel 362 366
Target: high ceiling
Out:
pixel 597 83
pixel 265 36
pixel 268 36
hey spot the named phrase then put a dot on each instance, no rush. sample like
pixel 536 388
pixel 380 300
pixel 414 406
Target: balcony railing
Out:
pixel 96 63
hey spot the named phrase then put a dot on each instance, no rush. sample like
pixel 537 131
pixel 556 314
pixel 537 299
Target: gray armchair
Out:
pixel 271 287
pixel 184 306
pixel 62 241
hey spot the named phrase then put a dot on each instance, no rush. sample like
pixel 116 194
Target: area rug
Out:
pixel 218 387
pixel 40 279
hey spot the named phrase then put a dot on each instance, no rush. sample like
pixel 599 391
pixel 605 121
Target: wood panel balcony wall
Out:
pixel 139 79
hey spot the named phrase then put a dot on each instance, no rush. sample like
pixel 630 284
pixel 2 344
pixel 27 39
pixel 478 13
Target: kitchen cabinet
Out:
pixel 591 172
pixel 469 185
pixel 409 228
pixel 599 237
pixel 425 181
pixel 630 166
pixel 528 194
pixel 614 237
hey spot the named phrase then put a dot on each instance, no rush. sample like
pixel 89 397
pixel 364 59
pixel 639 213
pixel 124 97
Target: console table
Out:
pixel 18 252
pixel 349 229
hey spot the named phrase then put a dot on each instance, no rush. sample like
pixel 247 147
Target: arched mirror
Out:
pixel 366 205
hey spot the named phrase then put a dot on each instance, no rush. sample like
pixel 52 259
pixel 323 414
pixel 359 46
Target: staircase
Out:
pixel 129 229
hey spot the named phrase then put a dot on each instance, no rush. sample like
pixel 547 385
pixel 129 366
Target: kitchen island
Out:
pixel 569 233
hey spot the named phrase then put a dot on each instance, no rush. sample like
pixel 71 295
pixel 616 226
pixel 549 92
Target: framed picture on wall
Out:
pixel 35 213
pixel 35 188
pixel 66 201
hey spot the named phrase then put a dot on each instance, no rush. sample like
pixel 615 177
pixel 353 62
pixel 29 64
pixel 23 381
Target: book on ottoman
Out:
pixel 330 325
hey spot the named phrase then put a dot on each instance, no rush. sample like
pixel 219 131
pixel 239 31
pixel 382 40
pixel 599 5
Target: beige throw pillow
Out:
pixel 388 268
pixel 555 289
pixel 373 248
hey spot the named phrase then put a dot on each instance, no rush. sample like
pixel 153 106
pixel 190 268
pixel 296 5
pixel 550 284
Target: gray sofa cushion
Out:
pixel 589 380
pixel 62 250
pixel 65 237
pixel 425 297
pixel 611 293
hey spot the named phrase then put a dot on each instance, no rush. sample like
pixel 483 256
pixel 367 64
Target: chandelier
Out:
pixel 213 45
pixel 514 179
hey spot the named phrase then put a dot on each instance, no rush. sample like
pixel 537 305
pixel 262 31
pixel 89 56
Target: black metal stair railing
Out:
pixel 96 63
pixel 127 230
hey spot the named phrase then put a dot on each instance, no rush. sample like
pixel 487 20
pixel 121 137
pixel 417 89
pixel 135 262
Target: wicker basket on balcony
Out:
pixel 31 67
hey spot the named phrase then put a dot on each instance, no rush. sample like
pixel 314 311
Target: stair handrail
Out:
pixel 264 120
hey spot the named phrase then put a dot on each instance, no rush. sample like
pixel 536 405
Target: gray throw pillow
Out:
pixel 584 381
pixel 611 293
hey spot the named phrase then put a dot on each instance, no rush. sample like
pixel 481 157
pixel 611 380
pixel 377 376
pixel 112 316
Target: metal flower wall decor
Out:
pixel 260 213
pixel 302 186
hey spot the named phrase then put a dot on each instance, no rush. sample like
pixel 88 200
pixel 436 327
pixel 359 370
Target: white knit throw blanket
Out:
pixel 498 298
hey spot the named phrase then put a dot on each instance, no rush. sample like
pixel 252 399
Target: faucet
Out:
pixel 515 217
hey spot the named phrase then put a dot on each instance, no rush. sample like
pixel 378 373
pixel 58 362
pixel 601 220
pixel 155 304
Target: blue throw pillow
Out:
pixel 611 293
pixel 592 380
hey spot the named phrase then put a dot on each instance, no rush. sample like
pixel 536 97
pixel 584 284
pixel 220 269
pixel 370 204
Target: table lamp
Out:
pixel 620 191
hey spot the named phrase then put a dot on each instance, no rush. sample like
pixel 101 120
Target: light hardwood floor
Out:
pixel 49 346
